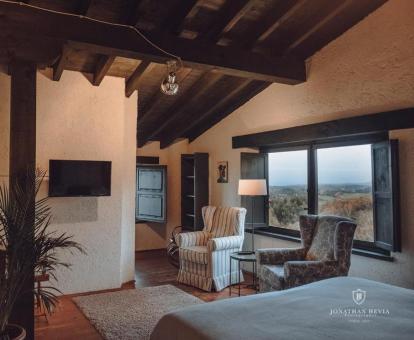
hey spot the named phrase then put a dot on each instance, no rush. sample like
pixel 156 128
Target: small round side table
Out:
pixel 243 257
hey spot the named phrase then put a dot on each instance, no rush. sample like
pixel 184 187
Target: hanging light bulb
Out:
pixel 169 85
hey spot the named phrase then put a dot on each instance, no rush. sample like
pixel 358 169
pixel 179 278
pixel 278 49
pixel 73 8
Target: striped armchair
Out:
pixel 205 255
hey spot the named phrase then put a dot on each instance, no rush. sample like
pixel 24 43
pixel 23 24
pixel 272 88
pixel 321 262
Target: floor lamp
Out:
pixel 252 187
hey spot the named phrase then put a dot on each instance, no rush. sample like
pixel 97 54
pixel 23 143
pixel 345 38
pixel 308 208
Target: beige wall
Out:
pixel 76 120
pixel 368 69
pixel 156 235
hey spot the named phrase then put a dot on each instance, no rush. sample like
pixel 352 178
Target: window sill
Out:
pixel 356 251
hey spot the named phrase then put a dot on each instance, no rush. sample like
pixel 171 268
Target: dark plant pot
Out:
pixel 13 332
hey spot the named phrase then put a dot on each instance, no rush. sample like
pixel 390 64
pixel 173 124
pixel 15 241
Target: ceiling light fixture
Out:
pixel 169 85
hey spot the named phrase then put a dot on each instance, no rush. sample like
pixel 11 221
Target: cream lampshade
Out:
pixel 252 187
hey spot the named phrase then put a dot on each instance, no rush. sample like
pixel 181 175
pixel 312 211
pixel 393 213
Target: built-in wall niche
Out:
pixel 151 194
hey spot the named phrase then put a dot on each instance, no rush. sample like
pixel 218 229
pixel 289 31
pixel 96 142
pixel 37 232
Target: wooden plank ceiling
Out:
pixel 232 50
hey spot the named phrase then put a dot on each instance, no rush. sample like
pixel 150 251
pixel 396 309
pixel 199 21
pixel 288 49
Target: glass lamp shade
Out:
pixel 252 187
pixel 169 86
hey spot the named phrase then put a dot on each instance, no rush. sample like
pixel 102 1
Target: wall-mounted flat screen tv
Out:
pixel 79 178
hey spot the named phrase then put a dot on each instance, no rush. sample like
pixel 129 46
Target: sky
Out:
pixel 349 164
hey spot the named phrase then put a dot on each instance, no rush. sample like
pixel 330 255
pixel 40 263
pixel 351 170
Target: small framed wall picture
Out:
pixel 222 172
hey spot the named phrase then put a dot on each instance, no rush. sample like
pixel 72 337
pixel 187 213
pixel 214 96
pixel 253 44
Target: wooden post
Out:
pixel 23 159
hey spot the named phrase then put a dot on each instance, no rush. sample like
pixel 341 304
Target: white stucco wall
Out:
pixel 368 69
pixel 76 120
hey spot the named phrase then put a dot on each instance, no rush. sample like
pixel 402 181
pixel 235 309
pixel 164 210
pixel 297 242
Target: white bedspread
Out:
pixel 321 310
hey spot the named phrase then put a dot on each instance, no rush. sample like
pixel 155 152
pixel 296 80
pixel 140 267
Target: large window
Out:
pixel 344 180
pixel 288 188
pixel 328 180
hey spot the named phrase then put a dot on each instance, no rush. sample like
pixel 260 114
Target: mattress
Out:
pixel 338 308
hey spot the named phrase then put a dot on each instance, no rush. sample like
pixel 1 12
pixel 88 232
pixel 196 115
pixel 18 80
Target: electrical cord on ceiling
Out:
pixel 113 24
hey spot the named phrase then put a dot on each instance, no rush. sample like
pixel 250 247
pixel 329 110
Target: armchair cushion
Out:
pixel 196 238
pixel 228 242
pixel 279 256
pixel 272 277
pixel 196 254
pixel 302 272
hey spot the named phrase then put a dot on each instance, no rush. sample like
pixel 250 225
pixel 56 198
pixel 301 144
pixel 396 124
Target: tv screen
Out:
pixel 79 178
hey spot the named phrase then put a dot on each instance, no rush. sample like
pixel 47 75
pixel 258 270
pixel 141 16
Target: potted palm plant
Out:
pixel 27 246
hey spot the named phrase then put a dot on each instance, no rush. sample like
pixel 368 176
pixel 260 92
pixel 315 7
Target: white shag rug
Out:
pixel 133 313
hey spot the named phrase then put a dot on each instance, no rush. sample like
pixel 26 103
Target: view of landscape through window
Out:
pixel 344 186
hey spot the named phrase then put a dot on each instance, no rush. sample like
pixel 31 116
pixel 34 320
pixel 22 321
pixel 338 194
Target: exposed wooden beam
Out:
pixel 193 120
pixel 299 39
pixel 82 7
pixel 346 127
pixel 133 82
pixel 246 93
pixel 129 15
pixel 60 64
pixel 270 21
pixel 228 15
pixel 334 27
pixel 102 67
pixel 277 23
pixel 174 22
pixel 104 39
pixel 23 159
pixel 150 124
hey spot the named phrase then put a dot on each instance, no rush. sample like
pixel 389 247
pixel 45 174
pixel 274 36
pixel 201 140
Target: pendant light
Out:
pixel 169 85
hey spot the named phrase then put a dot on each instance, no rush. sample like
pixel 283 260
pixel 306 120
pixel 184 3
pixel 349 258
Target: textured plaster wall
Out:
pixel 156 235
pixel 76 120
pixel 368 69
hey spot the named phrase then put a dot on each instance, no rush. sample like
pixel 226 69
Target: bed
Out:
pixel 338 308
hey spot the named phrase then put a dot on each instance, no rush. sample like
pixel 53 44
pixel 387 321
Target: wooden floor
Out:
pixel 152 269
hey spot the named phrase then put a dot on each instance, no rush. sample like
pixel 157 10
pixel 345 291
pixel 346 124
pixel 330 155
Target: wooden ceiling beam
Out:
pixel 267 24
pixel 103 65
pixel 150 126
pixel 60 64
pixel 227 17
pixel 176 19
pixel 129 15
pixel 248 92
pixel 193 120
pixel 134 81
pixel 123 41
pixel 333 27
pixel 82 7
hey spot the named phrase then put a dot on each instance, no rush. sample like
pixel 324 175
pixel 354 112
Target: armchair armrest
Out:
pixel 302 272
pixel 194 238
pixel 221 243
pixel 276 256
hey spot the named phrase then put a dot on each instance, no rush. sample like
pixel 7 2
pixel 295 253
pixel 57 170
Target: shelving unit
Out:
pixel 194 189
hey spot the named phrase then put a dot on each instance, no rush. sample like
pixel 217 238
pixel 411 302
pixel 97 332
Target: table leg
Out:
pixel 230 279
pixel 239 276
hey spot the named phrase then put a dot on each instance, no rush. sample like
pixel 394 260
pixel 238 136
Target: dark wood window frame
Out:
pixel 363 248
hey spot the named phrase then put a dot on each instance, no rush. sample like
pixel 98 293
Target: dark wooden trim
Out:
pixel 176 19
pixel 125 42
pixel 148 160
pixel 22 160
pixel 347 127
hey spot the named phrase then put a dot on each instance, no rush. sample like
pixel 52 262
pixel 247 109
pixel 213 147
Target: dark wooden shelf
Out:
pixel 194 189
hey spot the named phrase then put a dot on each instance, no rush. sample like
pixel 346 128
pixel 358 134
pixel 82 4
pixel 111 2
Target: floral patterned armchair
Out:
pixel 325 253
